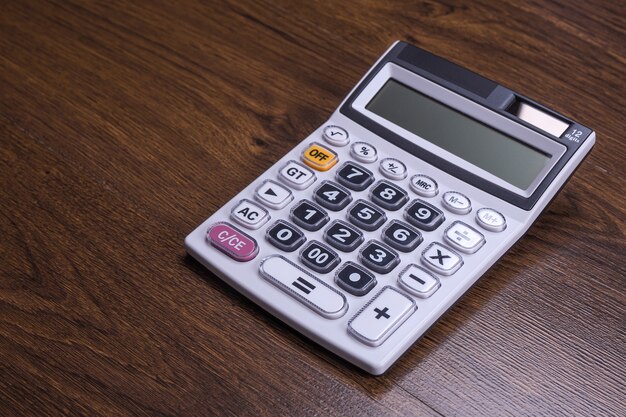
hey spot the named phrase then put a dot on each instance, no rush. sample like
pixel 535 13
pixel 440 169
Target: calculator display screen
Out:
pixel 501 155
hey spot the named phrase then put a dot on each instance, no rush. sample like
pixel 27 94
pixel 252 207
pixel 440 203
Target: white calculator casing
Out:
pixel 469 93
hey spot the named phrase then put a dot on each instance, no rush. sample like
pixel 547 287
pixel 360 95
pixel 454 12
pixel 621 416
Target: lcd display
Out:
pixel 497 153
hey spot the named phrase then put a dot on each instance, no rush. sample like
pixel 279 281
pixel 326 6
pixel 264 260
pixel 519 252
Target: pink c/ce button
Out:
pixel 233 242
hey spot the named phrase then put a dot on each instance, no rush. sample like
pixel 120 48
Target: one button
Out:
pixel 393 169
pixel 332 196
pixel 304 287
pixel 491 220
pixel 424 185
pixel 364 152
pixel 423 215
pixel 380 317
pixel 354 176
pixel 296 175
pixel 441 259
pixel 401 236
pixel 309 215
pixel 232 241
pixel 249 214
pixel 418 281
pixel 456 202
pixel 318 157
pixel 319 258
pixel 366 216
pixel 342 236
pixel 354 279
pixel 464 237
pixel 284 236
pixel 336 135
pixel 273 195
pixel 388 195
pixel 378 257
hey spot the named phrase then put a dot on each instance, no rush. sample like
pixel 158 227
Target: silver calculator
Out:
pixel 368 230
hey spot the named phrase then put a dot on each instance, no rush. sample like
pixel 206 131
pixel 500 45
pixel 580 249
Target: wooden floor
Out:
pixel 123 125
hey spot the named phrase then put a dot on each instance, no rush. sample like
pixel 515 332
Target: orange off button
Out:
pixel 318 157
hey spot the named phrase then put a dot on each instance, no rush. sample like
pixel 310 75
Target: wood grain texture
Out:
pixel 124 124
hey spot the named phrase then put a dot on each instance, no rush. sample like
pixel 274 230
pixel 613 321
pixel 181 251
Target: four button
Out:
pixel 332 196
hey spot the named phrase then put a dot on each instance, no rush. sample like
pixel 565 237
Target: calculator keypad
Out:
pixel 342 236
pixel 285 236
pixel 364 215
pixel 388 195
pixel 424 215
pixel 319 257
pixel 354 279
pixel 378 257
pixel 354 176
pixel 332 196
pixel 309 216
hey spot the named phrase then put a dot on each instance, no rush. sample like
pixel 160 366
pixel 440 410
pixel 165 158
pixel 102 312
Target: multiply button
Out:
pixel 336 135
pixel 381 316
pixel 232 241
pixel 424 185
pixel 304 287
pixel 490 219
pixel 318 157
pixel 463 237
pixel 249 214
pixel 456 202
pixel 296 175
pixel 441 259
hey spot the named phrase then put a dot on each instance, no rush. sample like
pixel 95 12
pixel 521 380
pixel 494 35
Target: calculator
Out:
pixel 367 231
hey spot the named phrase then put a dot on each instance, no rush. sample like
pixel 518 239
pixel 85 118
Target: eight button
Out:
pixel 388 195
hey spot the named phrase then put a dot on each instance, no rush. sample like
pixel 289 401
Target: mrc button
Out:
pixel 318 157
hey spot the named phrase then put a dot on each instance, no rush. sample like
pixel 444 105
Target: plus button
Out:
pixel 381 313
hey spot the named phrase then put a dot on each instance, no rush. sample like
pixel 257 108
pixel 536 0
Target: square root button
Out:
pixel 381 316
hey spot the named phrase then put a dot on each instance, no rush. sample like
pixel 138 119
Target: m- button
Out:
pixel 318 157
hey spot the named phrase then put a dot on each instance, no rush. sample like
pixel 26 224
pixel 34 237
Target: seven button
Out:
pixel 354 176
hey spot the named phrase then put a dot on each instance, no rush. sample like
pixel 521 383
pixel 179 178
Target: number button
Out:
pixel 354 176
pixel 342 236
pixel 332 196
pixel 364 152
pixel 284 236
pixel 318 157
pixel 309 216
pixel 366 216
pixel 354 279
pixel 249 214
pixel 423 215
pixel 319 257
pixel 389 196
pixel 378 257
pixel 393 169
pixel 463 237
pixel 336 135
pixel 401 236
pixel 296 175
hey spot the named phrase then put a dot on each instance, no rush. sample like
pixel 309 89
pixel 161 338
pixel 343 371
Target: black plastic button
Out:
pixel 309 215
pixel 401 236
pixel 332 196
pixel 389 196
pixel 354 176
pixel 366 216
pixel 318 257
pixel 423 215
pixel 378 257
pixel 354 279
pixel 342 236
pixel 285 236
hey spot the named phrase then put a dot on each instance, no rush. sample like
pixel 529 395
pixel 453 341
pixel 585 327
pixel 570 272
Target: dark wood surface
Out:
pixel 123 125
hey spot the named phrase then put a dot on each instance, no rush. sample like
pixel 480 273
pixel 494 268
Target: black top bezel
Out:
pixel 472 86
